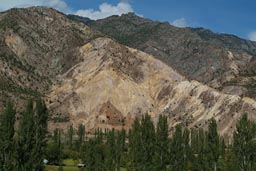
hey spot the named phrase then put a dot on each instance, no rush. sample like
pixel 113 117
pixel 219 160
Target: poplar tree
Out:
pixel 177 149
pixel 110 151
pixel 214 145
pixel 161 146
pixel 244 145
pixel 123 138
pixel 230 162
pixel 59 143
pixel 31 141
pixel 118 150
pixel 147 143
pixel 194 141
pixel 25 141
pixel 135 150
pixel 81 135
pixel 39 149
pixel 55 136
pixel 99 151
pixel 186 150
pixel 70 136
pixel 202 161
pixel 7 122
pixel 89 157
pixel 194 149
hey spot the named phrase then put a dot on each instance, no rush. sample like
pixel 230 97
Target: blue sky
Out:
pixel 236 17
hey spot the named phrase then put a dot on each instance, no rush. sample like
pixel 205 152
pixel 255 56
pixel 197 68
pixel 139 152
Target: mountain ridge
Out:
pixel 153 88
pixel 32 49
pixel 87 77
pixel 224 62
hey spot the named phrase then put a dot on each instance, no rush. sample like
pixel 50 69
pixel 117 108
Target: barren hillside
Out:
pixel 224 62
pixel 113 84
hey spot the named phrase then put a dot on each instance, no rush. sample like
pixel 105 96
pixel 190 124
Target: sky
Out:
pixel 236 17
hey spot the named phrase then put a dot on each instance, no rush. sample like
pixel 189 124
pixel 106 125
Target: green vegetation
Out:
pixel 140 36
pixel 60 119
pixel 68 168
pixel 251 86
pixel 7 23
pixel 9 86
pixel 145 148
pixel 24 150
pixel 245 144
pixel 6 138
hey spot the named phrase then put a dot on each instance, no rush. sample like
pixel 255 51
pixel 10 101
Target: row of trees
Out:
pixel 145 147
pixel 24 148
pixel 150 148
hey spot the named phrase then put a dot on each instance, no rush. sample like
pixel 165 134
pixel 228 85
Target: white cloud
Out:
pixel 57 4
pixel 252 36
pixel 181 22
pixel 106 10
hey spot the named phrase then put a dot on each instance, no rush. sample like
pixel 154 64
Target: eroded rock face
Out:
pixel 126 79
pixel 113 84
pixel 218 60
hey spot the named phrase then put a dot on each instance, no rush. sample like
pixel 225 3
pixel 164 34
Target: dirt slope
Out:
pixel 114 84
pixel 224 62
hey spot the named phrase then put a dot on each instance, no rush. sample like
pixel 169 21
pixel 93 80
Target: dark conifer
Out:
pixel 7 122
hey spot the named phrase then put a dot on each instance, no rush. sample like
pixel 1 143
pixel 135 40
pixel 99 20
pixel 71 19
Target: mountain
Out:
pixel 224 62
pixel 114 84
pixel 84 20
pixel 36 44
pixel 87 77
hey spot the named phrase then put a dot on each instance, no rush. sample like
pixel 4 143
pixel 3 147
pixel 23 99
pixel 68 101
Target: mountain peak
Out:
pixel 130 14
pixel 150 67
pixel 35 9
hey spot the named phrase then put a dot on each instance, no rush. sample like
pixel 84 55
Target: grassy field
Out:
pixel 70 165
pixel 65 168
pixel 69 168
pixel 70 162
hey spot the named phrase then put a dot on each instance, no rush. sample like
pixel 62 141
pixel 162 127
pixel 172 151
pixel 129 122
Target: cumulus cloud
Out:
pixel 57 4
pixel 106 10
pixel 181 22
pixel 252 36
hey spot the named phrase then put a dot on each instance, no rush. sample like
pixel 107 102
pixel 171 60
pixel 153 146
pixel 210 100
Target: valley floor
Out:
pixel 68 168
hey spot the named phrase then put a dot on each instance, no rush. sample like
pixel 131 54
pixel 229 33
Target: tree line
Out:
pixel 146 147
pixel 23 149
pixel 150 148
